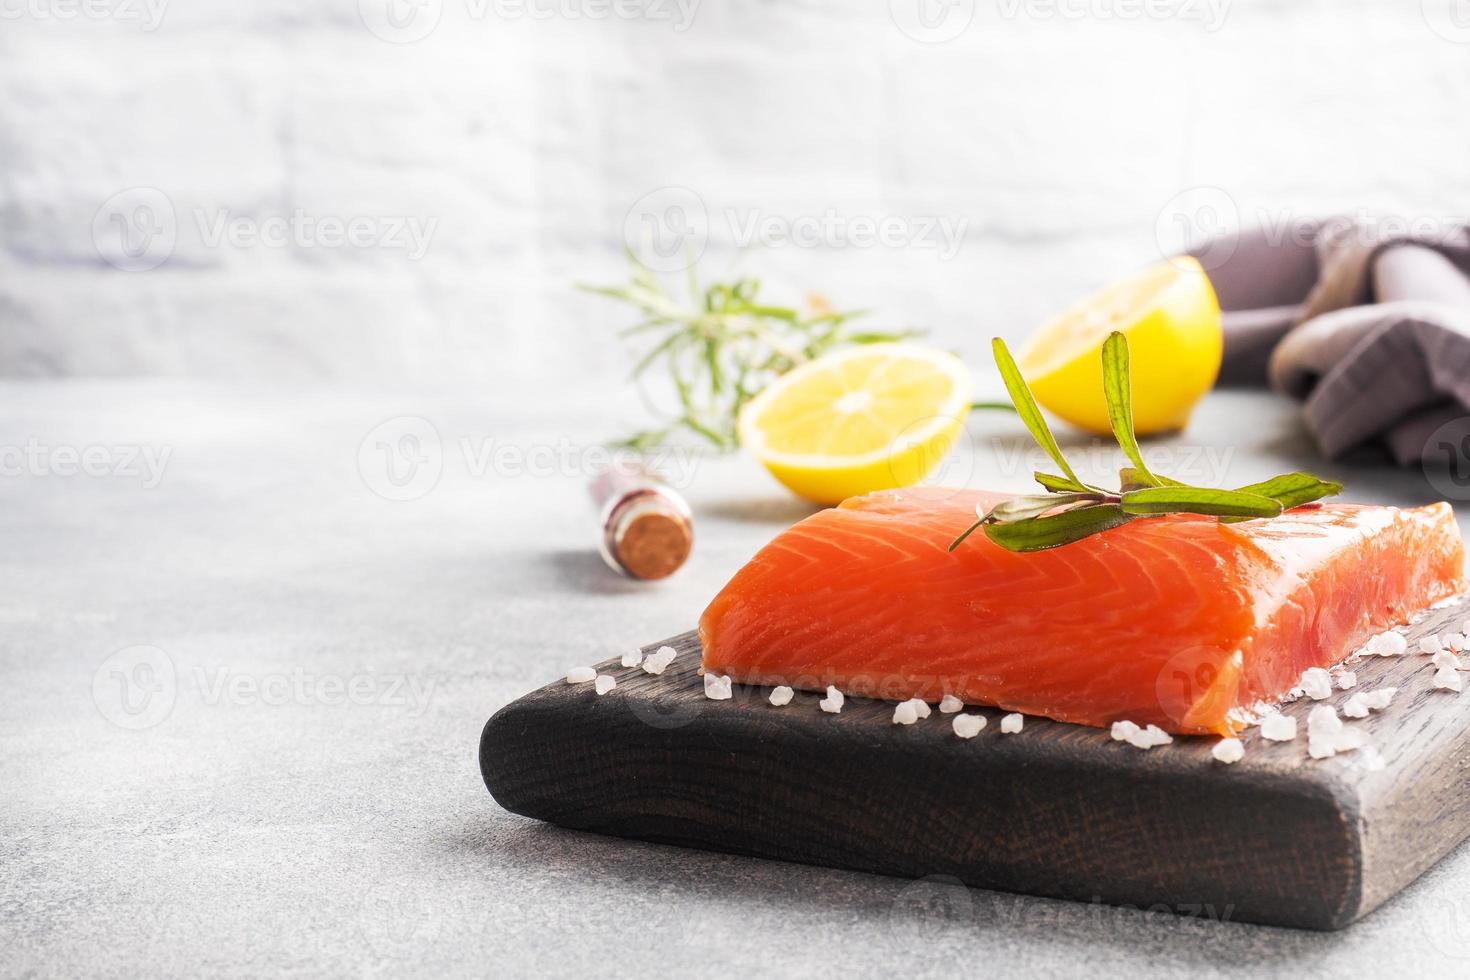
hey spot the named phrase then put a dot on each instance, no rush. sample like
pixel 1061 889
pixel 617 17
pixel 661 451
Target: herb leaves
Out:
pixel 1071 510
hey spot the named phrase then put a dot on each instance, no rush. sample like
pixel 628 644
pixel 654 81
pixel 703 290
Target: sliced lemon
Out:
pixel 1171 318
pixel 866 418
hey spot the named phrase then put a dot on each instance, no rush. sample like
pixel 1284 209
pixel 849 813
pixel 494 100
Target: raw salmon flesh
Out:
pixel 1179 621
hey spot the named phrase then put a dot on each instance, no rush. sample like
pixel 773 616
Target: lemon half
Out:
pixel 867 418
pixel 1171 318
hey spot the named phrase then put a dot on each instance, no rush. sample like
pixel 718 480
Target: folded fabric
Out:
pixel 1367 323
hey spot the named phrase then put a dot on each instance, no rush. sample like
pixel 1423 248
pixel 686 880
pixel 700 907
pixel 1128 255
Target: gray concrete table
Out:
pixel 244 685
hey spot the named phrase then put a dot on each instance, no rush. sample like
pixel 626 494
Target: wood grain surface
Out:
pixel 1057 810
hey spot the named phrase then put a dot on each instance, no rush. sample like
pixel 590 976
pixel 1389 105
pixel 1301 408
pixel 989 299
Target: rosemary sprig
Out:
pixel 721 345
pixel 1071 510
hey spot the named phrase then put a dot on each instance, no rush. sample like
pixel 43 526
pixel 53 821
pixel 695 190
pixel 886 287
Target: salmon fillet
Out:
pixel 1178 621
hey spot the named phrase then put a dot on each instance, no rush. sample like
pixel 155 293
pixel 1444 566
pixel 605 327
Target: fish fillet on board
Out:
pixel 1179 621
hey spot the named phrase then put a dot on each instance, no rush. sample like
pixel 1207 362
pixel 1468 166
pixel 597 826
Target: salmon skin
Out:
pixel 1178 621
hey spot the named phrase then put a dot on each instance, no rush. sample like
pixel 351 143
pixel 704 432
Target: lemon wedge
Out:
pixel 1171 318
pixel 866 418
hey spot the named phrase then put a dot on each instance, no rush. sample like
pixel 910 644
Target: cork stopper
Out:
pixel 653 544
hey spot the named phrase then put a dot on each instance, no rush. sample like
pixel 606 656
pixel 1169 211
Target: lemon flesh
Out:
pixel 1171 318
pixel 867 418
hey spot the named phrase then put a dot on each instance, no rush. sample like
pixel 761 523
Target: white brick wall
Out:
pixel 1054 140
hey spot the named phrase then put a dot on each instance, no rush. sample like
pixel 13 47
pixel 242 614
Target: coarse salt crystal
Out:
pixel 781 696
pixel 1149 737
pixel 717 688
pixel 1347 679
pixel 1228 751
pixel 1371 759
pixel 1011 724
pixel 968 726
pixel 632 658
pixel 658 661
pixel 605 683
pixel 1323 720
pixel 950 704
pixel 581 675
pixel 1278 727
pixel 832 703
pixel 1455 641
pixel 1123 730
pixel 1446 659
pixel 1356 707
pixel 904 713
pixel 1379 699
pixel 1389 644
pixel 921 707
pixel 1448 679
pixel 1431 643
pixel 1316 683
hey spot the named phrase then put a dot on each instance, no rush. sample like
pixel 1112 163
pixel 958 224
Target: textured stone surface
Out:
pixel 1060 134
pixel 263 825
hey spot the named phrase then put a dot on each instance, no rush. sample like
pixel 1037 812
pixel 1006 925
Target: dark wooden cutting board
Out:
pixel 1057 810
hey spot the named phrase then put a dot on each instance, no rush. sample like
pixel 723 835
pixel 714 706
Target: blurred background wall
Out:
pixel 404 191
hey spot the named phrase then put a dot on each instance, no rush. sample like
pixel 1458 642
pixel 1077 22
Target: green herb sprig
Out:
pixel 1071 510
pixel 721 346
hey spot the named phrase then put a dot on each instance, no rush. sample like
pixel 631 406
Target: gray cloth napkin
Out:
pixel 1366 323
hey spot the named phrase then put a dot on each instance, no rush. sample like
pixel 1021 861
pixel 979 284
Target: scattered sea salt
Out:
pixel 581 675
pixel 1379 699
pixel 1316 683
pixel 1323 720
pixel 632 658
pixel 1448 679
pixel 658 661
pixel 950 704
pixel 1371 759
pixel 605 683
pixel 781 696
pixel 1446 659
pixel 1389 644
pixel 1148 737
pixel 1347 679
pixel 1123 730
pixel 1356 707
pixel 1278 727
pixel 1228 751
pixel 717 688
pixel 921 707
pixel 1327 736
pixel 832 703
pixel 968 726
pixel 904 713
pixel 1455 641
pixel 1431 643
pixel 1011 724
